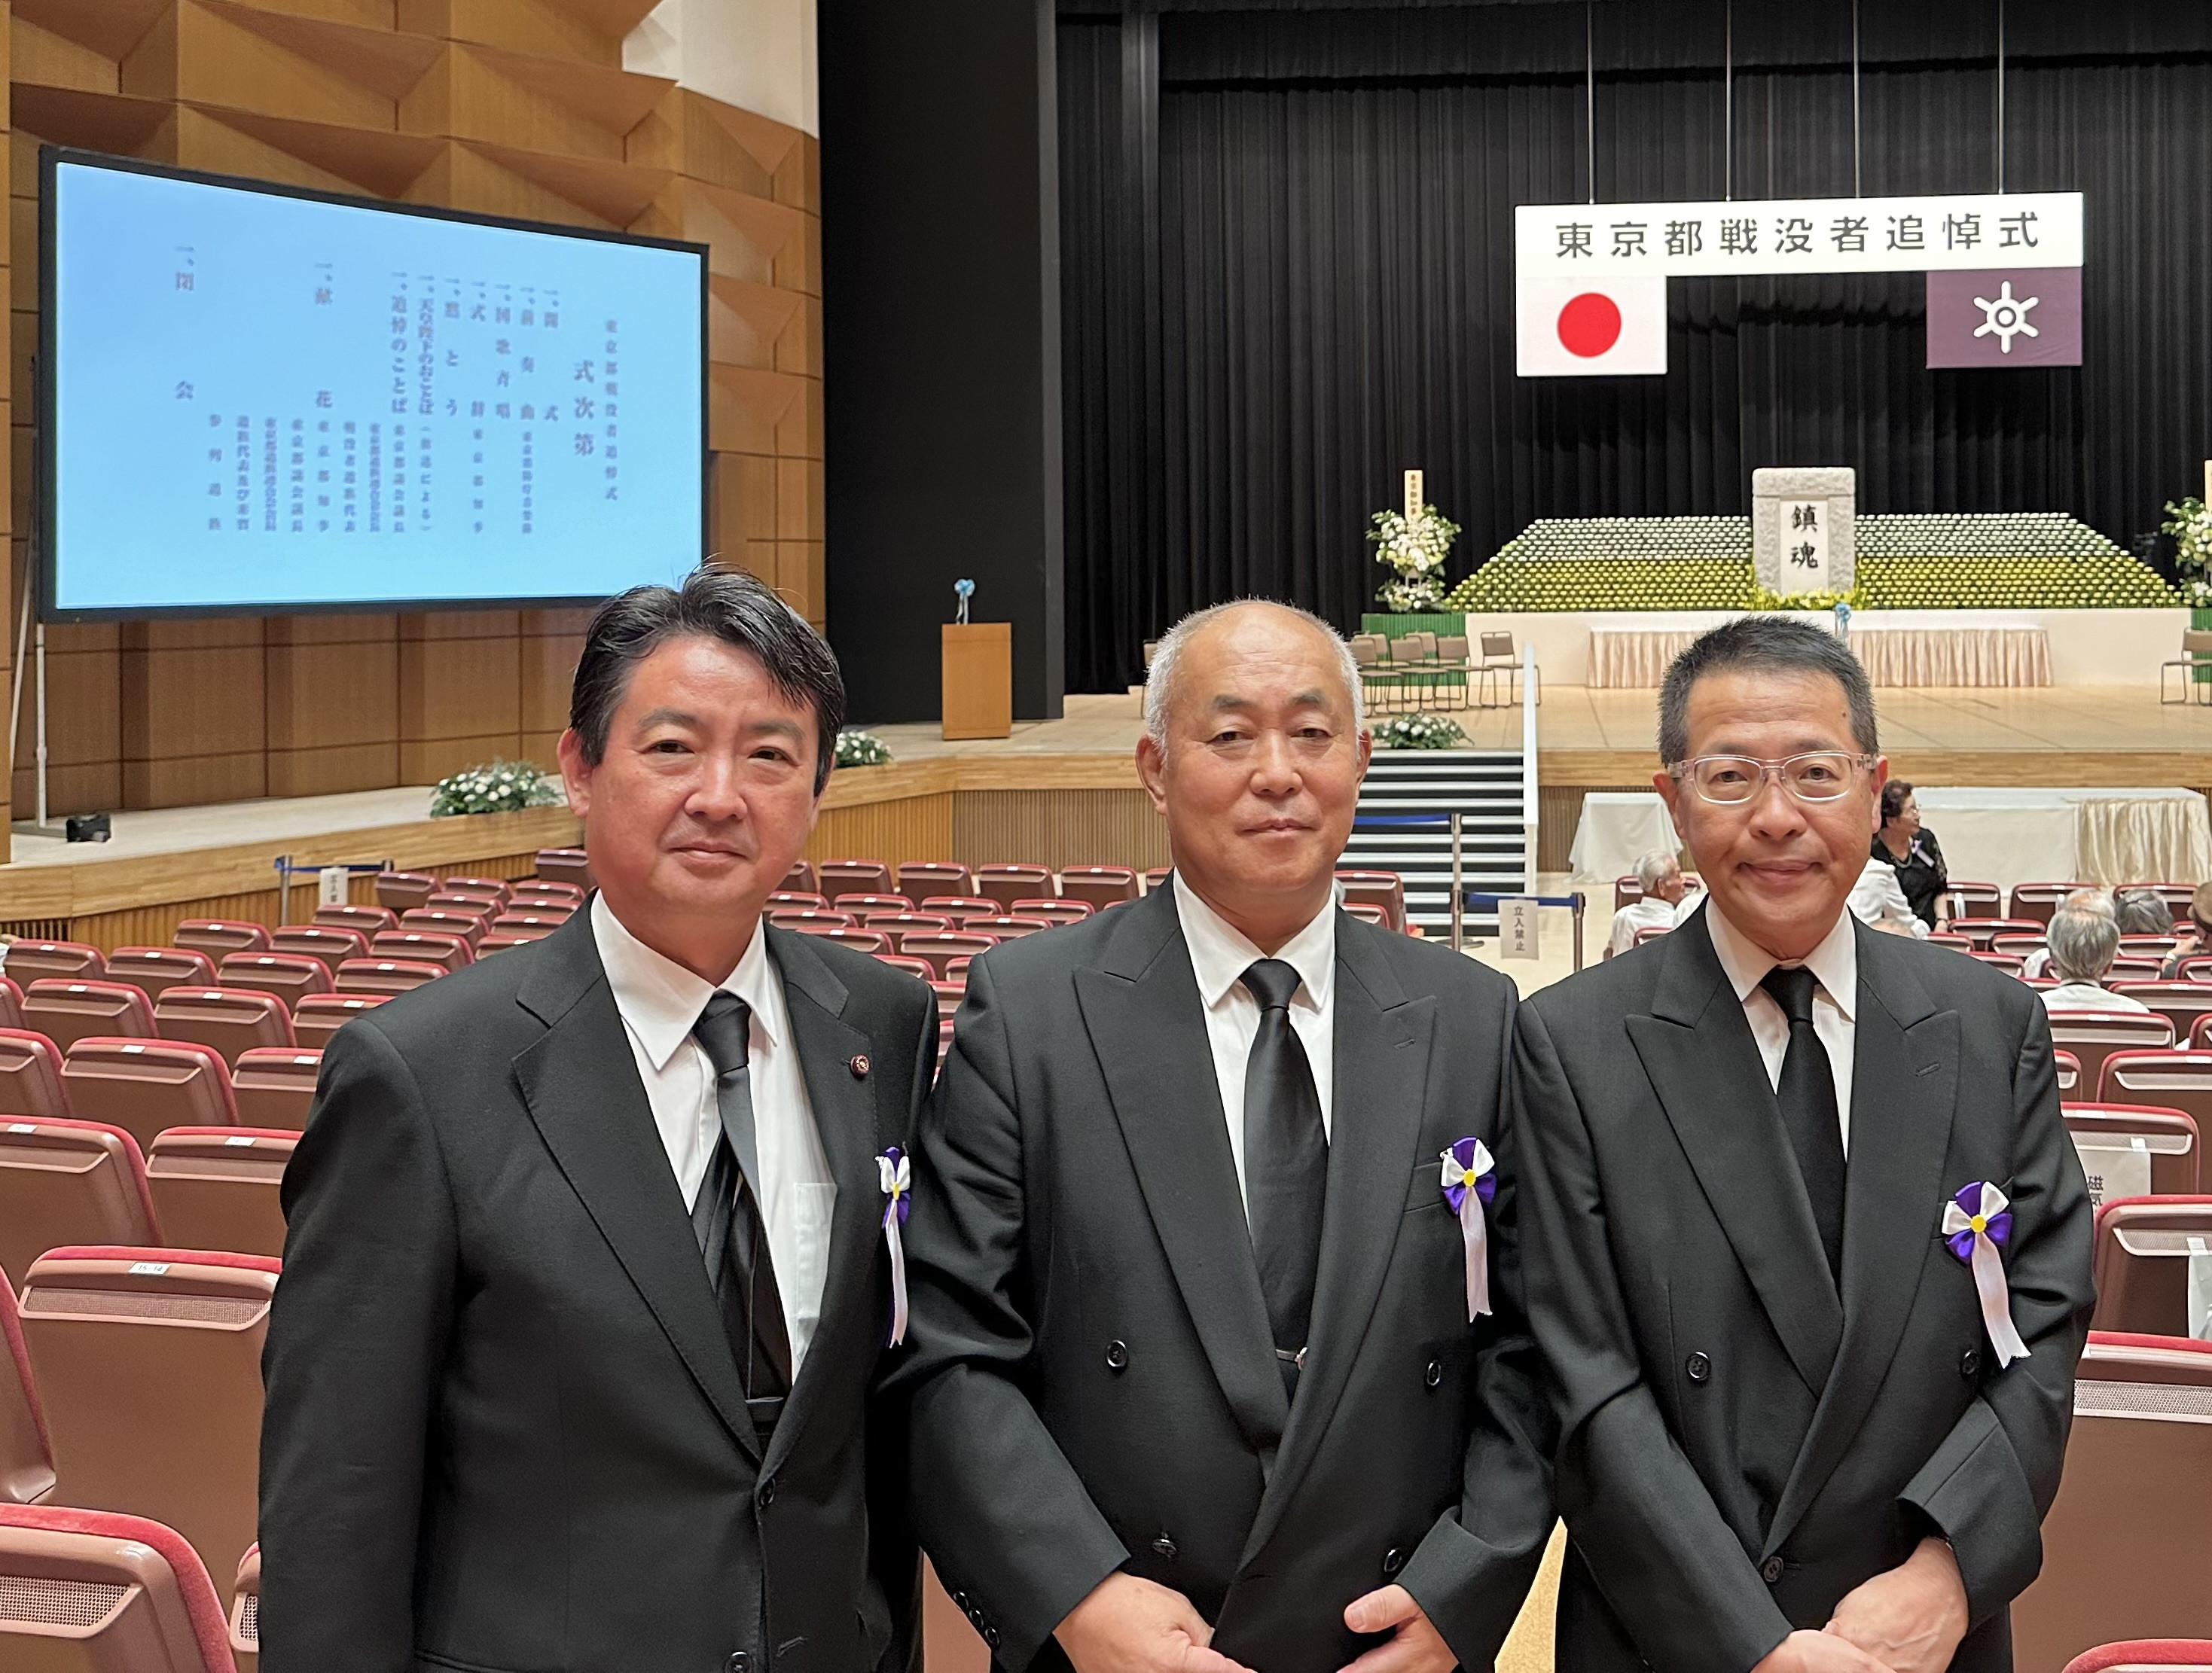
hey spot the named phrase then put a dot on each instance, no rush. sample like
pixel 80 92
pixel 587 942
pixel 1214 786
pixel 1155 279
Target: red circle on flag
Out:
pixel 1590 325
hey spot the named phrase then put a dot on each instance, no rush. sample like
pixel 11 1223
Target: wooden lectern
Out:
pixel 979 679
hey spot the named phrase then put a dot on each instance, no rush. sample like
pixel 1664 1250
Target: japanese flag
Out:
pixel 1572 327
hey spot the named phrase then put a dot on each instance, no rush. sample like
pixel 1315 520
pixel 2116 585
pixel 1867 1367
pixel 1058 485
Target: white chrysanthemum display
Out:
pixel 1418 732
pixel 501 787
pixel 1414 548
pixel 858 748
pixel 2191 528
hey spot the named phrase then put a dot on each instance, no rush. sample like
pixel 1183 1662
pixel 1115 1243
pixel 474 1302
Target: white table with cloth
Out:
pixel 1617 829
pixel 2066 835
pixel 1898 647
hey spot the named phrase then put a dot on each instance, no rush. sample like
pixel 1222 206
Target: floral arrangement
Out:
pixel 2191 525
pixel 1418 732
pixel 858 748
pixel 1761 599
pixel 1413 549
pixel 501 787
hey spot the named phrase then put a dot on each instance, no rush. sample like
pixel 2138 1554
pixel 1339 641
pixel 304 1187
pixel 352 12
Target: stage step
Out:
pixel 1485 788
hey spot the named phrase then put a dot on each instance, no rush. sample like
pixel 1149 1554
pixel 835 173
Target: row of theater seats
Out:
pixel 2028 904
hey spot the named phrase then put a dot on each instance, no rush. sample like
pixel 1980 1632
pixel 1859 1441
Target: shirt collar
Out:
pixel 1834 963
pixel 1220 954
pixel 660 999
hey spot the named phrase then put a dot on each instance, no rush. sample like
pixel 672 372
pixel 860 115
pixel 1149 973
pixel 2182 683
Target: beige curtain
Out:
pixel 2123 840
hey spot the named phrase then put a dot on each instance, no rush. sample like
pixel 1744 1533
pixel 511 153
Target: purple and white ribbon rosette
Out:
pixel 1977 1223
pixel 895 1172
pixel 1470 1182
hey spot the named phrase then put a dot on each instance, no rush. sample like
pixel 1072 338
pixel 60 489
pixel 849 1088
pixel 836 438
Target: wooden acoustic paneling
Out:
pixel 912 828
pixel 1059 827
pixel 194 714
pixel 333 703
pixel 460 692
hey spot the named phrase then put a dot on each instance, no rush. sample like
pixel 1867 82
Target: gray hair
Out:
pixel 1159 679
pixel 2082 943
pixel 1654 866
pixel 1772 644
pixel 2144 912
pixel 2099 901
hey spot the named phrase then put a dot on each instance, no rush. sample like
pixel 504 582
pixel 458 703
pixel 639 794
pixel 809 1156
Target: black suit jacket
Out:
pixel 504 1427
pixel 1739 1448
pixel 1093 1380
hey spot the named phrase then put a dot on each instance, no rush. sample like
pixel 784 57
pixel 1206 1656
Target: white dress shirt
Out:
pixel 2088 996
pixel 1835 966
pixel 1220 955
pixel 1878 899
pixel 659 1001
pixel 1650 913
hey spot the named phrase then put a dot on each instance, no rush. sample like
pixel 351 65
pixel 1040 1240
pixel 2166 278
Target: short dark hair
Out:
pixel 725 604
pixel 1774 643
pixel 1894 795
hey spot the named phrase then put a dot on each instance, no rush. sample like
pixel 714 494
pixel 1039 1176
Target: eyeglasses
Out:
pixel 1821 775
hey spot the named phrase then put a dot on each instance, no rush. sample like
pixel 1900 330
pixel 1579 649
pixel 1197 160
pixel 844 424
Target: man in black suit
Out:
pixel 1809 1248
pixel 1195 1381
pixel 585 1283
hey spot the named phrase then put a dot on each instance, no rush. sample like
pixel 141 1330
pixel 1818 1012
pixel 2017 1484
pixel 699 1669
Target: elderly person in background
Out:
pixel 1909 850
pixel 2082 943
pixel 2038 963
pixel 1659 874
pixel 2195 932
pixel 2142 911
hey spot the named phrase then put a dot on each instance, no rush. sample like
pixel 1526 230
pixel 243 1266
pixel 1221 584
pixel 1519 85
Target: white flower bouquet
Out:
pixel 1419 731
pixel 501 787
pixel 1413 549
pixel 858 748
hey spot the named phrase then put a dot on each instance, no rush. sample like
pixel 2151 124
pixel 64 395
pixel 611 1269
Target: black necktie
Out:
pixel 1286 1163
pixel 1807 1094
pixel 727 1218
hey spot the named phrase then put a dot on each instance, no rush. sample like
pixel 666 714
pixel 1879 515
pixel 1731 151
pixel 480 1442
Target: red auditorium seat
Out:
pixel 70 960
pixel 369 920
pixel 232 1020
pixel 215 1187
pixel 2134 1150
pixel 1975 899
pixel 2182 1001
pixel 2143 1259
pixel 65 1012
pixel 940 950
pixel 565 865
pixel 1366 913
pixel 2144 1655
pixel 799 877
pixel 958 906
pixel 2094 1035
pixel 918 968
pixel 151 969
pixel 322 1015
pixel 900 922
pixel 860 905
pixel 812 918
pixel 130 1595
pixel 529 893
pixel 921 877
pixel 484 888
pixel 2123 1545
pixel 1983 930
pixel 527 923
pixel 329 942
pixel 2159 945
pixel 1008 883
pixel 796 899
pixel 385 976
pixel 217 936
pixel 424 946
pixel 470 926
pixel 246 1613
pixel 2017 945
pixel 1156 876
pixel 400 890
pixel 2135 970
pixel 860 941
pixel 1945 938
pixel 31 1075
pixel 949 995
pixel 955 970
pixel 65 1181
pixel 1626 892
pixel 500 940
pixel 2067 1070
pixel 1052 910
pixel 11 1003
pixel 2008 962
pixel 2039 900
pixel 1008 926
pixel 833 877
pixel 274 1086
pixel 2182 1079
pixel 289 976
pixel 1386 890
pixel 1100 885
pixel 27 1464
pixel 149 1362
pixel 143 1086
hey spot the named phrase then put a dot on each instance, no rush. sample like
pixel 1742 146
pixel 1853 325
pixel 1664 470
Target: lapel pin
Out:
pixel 1470 1181
pixel 860 1066
pixel 1977 1224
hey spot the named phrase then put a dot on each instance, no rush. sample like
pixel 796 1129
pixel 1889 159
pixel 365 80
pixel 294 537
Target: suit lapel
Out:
pixel 1904 1083
pixel 579 1084
pixel 1696 1041
pixel 844 1108
pixel 1380 1090
pixel 1146 1023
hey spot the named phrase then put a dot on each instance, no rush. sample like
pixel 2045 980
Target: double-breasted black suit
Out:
pixel 1740 1445
pixel 505 1428
pixel 1092 1381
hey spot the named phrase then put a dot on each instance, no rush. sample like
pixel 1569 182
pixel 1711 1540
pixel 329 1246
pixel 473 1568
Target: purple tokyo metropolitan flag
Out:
pixel 2006 317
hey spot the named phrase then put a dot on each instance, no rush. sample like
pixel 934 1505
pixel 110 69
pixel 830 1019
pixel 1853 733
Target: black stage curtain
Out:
pixel 1286 275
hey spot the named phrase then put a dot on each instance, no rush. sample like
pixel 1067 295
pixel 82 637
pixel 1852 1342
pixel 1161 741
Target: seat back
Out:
pixel 918 968
pixel 11 1003
pixel 67 1181
pixel 2180 1080
pixel 860 941
pixel 493 889
pixel 31 1075
pixel 811 918
pixel 2039 900
pixel 1008 883
pixel 447 952
pixel 1155 876
pixel 385 976
pixel 835 877
pixel 941 950
pixel 1099 885
pixel 1052 910
pixel 89 1591
pixel 289 976
pixel 1367 915
pixel 530 895
pixel 369 920
pixel 404 890
pixel 2094 1035
pixel 65 1012
pixel 232 1020
pixel 1007 926
pixel 1452 648
pixel 1983 930
pixel 470 926
pixel 274 1086
pixel 2145 1655
pixel 2134 1150
pixel 2183 1002
pixel 565 865
pixel 1975 899
pixel 801 877
pixel 217 936
pixel 246 1613
pixel 322 1015
pixel 2145 1247
pixel 143 1086
pixel 1386 890
pixel 861 905
pixel 215 1187
pixel 1626 892
pixel 498 941
pixel 27 1463
pixel 2067 1069
pixel 1414 647
pixel 70 960
pixel 533 923
pixel 904 923
pixel 149 1360
pixel 2017 945
pixel 1497 648
pixel 152 969
pixel 332 944
pixel 921 877
pixel 2123 1545
pixel 796 899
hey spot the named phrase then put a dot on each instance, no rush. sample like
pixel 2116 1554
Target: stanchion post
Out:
pixel 1458 900
pixel 1574 894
